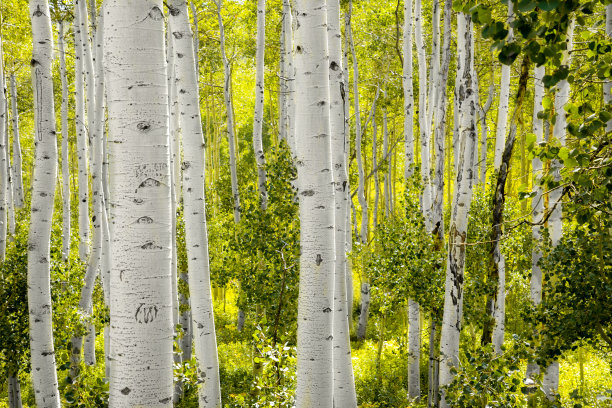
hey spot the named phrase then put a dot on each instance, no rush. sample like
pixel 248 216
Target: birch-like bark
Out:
pixel 3 164
pixel 141 311
pixel 10 204
pixel 484 131
pixel 363 313
pixel 344 382
pixel 424 124
pixel 17 175
pixel 89 68
pixel 550 382
pixel 260 158
pixel 290 75
pixel 434 66
pixel 81 137
pixel 537 202
pixel 286 65
pixel 229 113
pixel 65 159
pixel 196 234
pixel 358 135
pixel 608 84
pixel 388 158
pixel 408 91
pixel 315 379
pixel 14 392
pixel 375 165
pixel 440 128
pixel 414 350
pixel 97 137
pixel 504 101
pixel 453 295
pixel 44 374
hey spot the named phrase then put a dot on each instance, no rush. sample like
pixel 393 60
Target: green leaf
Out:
pixel 548 5
pixel 509 53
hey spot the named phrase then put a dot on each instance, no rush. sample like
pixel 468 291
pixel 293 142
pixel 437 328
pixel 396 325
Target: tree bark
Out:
pixel 44 374
pixel 141 333
pixel 4 216
pixel 453 298
pixel 344 383
pixel 196 233
pixel 65 158
pixel 17 174
pixel 14 392
pixel 504 101
pixel 315 302
pixel 260 158
pixel 81 137
pixel 414 350
pixel 550 382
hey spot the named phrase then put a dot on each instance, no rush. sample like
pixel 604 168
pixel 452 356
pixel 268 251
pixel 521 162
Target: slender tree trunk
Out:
pixel 286 75
pixel 608 83
pixel 14 392
pixel 141 312
pixel 494 327
pixel 230 114
pixel 65 158
pixel 81 137
pixel 89 70
pixel 453 298
pixel 484 131
pixel 550 382
pixel 17 176
pixel 315 302
pixel 344 382
pixel 363 314
pixel 260 158
pixel 375 167
pixel 537 203
pixel 44 375
pixel 414 350
pixel 4 137
pixel 196 234
pixel 504 102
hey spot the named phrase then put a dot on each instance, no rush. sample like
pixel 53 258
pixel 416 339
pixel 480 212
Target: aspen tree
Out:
pixel 344 382
pixel 81 137
pixel 453 298
pixel 4 216
pixel 504 100
pixel 17 175
pixel 260 158
pixel 65 159
pixel 285 81
pixel 347 148
pixel 44 374
pixel 537 202
pixel 196 234
pixel 316 194
pixel 608 83
pixel 550 382
pixel 140 294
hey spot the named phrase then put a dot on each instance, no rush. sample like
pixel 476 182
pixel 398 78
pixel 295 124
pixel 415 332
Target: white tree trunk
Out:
pixel 550 382
pixel 435 82
pixel 424 123
pixel 315 383
pixel 440 128
pixel 141 304
pixel 358 136
pixel 414 350
pixel 89 68
pixel 286 66
pixel 81 137
pixel 196 234
pixel 453 295
pixel 260 158
pixel 608 83
pixel 408 91
pixel 504 102
pixel 65 158
pixel 14 392
pixel 3 164
pixel 230 114
pixel 344 383
pixel 363 313
pixel 17 175
pixel 484 129
pixel 10 204
pixel 537 202
pixel 44 375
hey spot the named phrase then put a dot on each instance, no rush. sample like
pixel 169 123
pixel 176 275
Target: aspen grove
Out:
pixel 305 203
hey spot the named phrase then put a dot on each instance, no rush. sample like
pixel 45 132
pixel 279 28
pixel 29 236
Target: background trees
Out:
pixel 399 198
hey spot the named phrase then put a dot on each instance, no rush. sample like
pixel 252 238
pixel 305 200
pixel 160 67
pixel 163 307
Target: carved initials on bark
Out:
pixel 145 314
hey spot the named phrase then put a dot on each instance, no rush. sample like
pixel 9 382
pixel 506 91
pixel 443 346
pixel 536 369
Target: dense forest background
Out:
pixel 395 253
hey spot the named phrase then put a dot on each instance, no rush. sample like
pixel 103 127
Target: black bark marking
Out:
pixel 149 182
pixel 143 126
pixel 151 245
pixel 177 34
pixel 145 314
pixel 327 310
pixel 165 400
pixel 38 12
pixel 125 391
pixel 319 259
pixel 145 220
pixel 156 14
pixel 308 193
pixel 334 66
